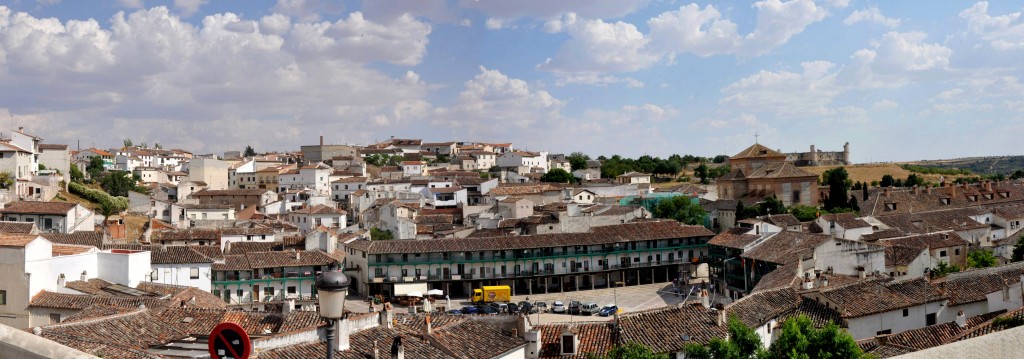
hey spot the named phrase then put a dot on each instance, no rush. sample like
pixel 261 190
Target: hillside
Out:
pixel 875 171
pixel 979 165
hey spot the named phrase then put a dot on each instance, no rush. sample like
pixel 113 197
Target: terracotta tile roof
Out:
pixel 846 220
pixel 176 255
pixel 819 314
pixel 734 238
pixel 134 331
pixel 780 220
pixel 233 262
pixel 596 339
pixel 758 308
pixel 351 180
pixel 16 239
pixel 199 321
pixel 247 231
pixel 757 151
pixel 974 285
pixel 29 207
pixel 872 296
pixel 290 259
pixel 47 299
pixel 896 255
pixel 446 189
pixel 318 209
pixel 938 334
pixel 92 286
pixel 68 249
pixel 519 189
pixel 922 241
pixel 991 326
pixel 785 247
pixel 474 339
pixel 97 311
pixel 637 231
pixel 882 234
pixel 779 170
pixel 51 146
pixel 246 247
pixel 185 235
pixel 182 296
pixel 361 346
pixel 785 276
pixel 663 329
pixel 957 197
pixel 87 238
pixel 18 227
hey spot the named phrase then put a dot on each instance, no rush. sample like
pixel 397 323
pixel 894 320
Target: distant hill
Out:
pixel 978 165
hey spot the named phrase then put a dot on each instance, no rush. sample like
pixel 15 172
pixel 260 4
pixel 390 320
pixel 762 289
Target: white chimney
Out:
pixel 60 280
pixel 84 276
pixel 961 319
pixel 397 349
pixel 343 328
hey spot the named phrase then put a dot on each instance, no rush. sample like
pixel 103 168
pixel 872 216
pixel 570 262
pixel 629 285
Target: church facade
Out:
pixel 759 172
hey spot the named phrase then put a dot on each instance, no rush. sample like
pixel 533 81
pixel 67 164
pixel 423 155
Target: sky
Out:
pixel 898 80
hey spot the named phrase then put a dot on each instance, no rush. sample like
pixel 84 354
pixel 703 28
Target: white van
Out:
pixel 589 308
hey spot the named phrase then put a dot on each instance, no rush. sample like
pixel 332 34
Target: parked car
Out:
pixel 487 309
pixel 589 308
pixel 540 307
pixel 499 307
pixel 512 308
pixel 609 309
pixel 455 311
pixel 558 307
pixel 470 310
pixel 526 308
pixel 574 307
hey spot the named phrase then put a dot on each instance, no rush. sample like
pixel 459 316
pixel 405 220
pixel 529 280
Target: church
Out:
pixel 759 172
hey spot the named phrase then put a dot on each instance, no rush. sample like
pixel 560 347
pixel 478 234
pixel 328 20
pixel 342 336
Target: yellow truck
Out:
pixel 494 293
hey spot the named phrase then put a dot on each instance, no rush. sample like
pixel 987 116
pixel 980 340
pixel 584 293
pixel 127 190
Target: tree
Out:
pixel 578 160
pixel 76 174
pixel 804 212
pixel 772 205
pixel 158 146
pixel 942 269
pixel 701 172
pixel 106 209
pixel 6 180
pixel 95 167
pixel 982 258
pixel 127 142
pixel 557 175
pixel 864 192
pixel 720 159
pixel 250 152
pixel 838 187
pixel 1018 174
pixel 913 180
pixel 800 339
pixel 378 234
pixel 1018 250
pixel 632 350
pixel 743 343
pixel 118 183
pixel 853 204
pixel 887 181
pixel 680 208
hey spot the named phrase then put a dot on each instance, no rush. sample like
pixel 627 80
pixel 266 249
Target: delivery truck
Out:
pixel 493 293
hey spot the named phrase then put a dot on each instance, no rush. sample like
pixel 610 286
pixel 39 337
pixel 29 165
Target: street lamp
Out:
pixel 332 287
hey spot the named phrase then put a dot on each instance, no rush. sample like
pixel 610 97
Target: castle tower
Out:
pixel 846 153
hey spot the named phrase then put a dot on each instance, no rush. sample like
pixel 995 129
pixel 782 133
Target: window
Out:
pixel 54 318
pixel 193 273
pixel 906 312
pixel 291 290
pixel 930 319
pixel 3 297
pixel 568 344
pixel 239 293
pixel 268 291
pixel 881 332
pixel 956 251
pixel 942 253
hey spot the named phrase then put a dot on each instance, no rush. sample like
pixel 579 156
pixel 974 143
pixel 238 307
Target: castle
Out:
pixel 820 158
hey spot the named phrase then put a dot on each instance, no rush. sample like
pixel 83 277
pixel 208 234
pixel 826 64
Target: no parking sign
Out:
pixel 229 341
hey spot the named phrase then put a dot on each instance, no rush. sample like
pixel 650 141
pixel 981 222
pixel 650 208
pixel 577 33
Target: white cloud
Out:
pixel 872 16
pixel 545 9
pixel 307 10
pixel 786 93
pixel 1003 32
pixel 630 115
pixel 494 23
pixel 598 46
pixel 597 80
pixel 151 75
pixel 188 7
pixel 896 59
pixel 949 94
pixel 884 105
pixel 779 21
pixel 131 4
pixel 492 97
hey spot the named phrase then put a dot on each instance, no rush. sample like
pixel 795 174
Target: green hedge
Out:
pixel 96 196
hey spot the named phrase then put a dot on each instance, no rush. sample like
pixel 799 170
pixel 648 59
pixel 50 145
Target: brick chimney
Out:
pixel 321 140
pixel 988 186
pixel 928 189
pixel 913 190
pixel 886 192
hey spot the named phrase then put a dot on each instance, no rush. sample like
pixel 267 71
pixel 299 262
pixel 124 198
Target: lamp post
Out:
pixel 332 288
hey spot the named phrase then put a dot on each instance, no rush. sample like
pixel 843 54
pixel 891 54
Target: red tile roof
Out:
pixel 30 207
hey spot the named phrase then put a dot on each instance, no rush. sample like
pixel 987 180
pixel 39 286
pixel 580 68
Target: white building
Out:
pixel 316 178
pixel 55 157
pixel 61 217
pixel 523 162
pixel 180 265
pixel 211 171
pixel 310 217
pixel 413 168
pixel 883 306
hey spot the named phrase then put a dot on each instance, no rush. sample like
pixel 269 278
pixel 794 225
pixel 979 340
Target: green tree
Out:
pixel 720 159
pixel 837 180
pixel 771 205
pixel 95 167
pixel 800 339
pixel 442 159
pixel 982 258
pixel 864 192
pixel 632 350
pixel 108 208
pixel 127 142
pixel 378 234
pixel 1018 174
pixel 743 343
pixel 76 174
pixel 680 208
pixel 942 269
pixel 887 181
pixel 702 172
pixel 578 160
pixel 804 212
pixel 158 146
pixel 853 204
pixel 118 183
pixel 6 180
pixel 557 175
pixel 249 151
pixel 1018 250
pixel 913 180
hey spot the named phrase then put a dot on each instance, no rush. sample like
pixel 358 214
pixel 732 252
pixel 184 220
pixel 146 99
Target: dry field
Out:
pixel 874 172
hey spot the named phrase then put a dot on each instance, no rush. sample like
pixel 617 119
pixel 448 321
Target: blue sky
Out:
pixel 900 81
